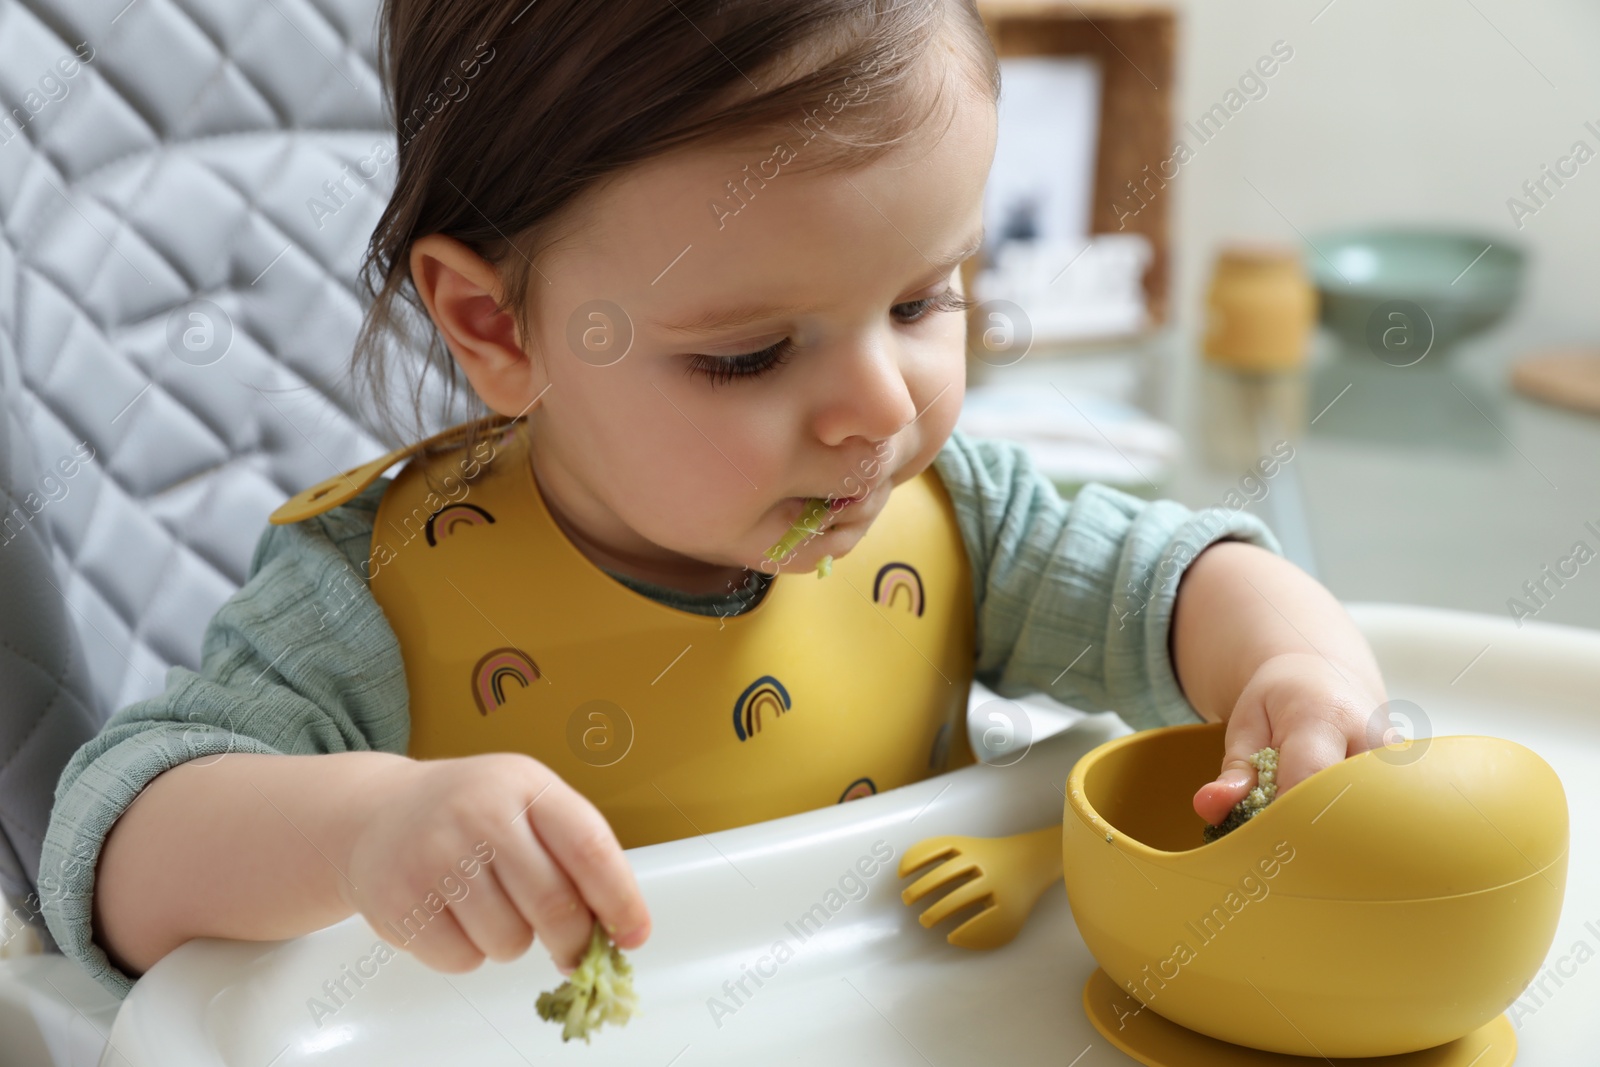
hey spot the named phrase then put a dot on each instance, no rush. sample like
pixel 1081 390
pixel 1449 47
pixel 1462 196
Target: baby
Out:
pixel 698 261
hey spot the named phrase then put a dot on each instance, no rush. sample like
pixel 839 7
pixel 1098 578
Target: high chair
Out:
pixel 858 978
pixel 172 321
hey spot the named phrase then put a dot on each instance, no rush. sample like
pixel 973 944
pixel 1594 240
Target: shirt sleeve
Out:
pixel 300 660
pixel 1074 599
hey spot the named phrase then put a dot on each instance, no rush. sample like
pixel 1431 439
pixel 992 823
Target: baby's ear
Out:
pixel 461 291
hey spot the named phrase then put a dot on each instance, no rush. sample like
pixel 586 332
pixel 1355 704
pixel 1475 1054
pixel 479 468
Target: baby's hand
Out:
pixel 542 860
pixel 1313 713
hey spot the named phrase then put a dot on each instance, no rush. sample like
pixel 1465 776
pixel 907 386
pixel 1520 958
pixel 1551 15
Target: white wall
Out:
pixel 1397 110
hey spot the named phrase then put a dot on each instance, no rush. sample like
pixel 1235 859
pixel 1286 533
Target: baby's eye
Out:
pixel 721 369
pixel 946 300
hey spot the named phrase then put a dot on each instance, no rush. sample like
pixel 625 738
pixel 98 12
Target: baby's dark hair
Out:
pixel 507 110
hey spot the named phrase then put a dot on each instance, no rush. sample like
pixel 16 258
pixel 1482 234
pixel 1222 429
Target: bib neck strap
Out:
pixel 346 486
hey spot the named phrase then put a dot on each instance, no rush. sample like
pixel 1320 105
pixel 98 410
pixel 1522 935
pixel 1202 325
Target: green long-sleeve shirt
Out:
pixel 1090 583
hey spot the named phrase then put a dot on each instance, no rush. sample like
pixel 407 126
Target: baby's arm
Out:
pixel 1261 645
pixel 1074 598
pixel 454 860
pixel 299 661
pixel 242 845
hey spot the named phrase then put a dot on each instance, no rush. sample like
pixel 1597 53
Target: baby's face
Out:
pixel 663 465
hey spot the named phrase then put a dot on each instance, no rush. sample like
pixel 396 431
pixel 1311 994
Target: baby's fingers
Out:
pixel 581 842
pixel 1310 744
pixel 435 937
pixel 545 895
pixel 488 915
pixel 1380 729
pixel 1248 731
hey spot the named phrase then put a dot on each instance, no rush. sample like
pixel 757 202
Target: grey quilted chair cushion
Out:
pixel 46 708
pixel 154 154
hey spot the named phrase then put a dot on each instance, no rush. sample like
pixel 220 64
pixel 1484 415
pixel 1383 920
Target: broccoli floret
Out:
pixel 599 991
pixel 1266 764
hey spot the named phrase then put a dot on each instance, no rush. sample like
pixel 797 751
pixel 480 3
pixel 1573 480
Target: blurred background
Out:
pixel 1368 254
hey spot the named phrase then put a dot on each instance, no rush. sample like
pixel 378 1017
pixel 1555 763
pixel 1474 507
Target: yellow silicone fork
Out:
pixel 1008 872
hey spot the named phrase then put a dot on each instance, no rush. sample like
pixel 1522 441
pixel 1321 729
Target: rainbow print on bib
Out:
pixel 764 694
pixel 494 670
pixel 893 577
pixel 861 787
pixel 448 519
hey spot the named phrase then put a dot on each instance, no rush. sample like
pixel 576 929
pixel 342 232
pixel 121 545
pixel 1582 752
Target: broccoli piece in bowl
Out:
pixel 1266 764
pixel 599 991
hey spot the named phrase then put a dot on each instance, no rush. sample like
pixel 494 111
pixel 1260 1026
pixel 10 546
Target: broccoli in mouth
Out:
pixel 599 991
pixel 1266 764
pixel 809 524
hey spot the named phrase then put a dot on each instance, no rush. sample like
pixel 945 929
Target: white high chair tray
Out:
pixel 870 984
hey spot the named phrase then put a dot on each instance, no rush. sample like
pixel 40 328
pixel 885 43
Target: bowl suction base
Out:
pixel 1157 1042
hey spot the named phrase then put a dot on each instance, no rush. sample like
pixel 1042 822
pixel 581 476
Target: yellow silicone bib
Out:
pixel 670 722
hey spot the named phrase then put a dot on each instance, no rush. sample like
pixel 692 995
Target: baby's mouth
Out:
pixel 810 517
pixel 804 524
pixel 795 506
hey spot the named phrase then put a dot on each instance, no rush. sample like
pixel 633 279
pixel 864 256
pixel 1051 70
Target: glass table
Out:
pixel 1432 484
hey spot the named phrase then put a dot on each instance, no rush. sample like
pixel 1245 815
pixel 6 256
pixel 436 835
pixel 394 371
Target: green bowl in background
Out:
pixel 1402 293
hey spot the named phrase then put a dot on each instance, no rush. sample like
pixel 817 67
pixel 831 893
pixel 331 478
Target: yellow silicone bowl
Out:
pixel 1394 901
